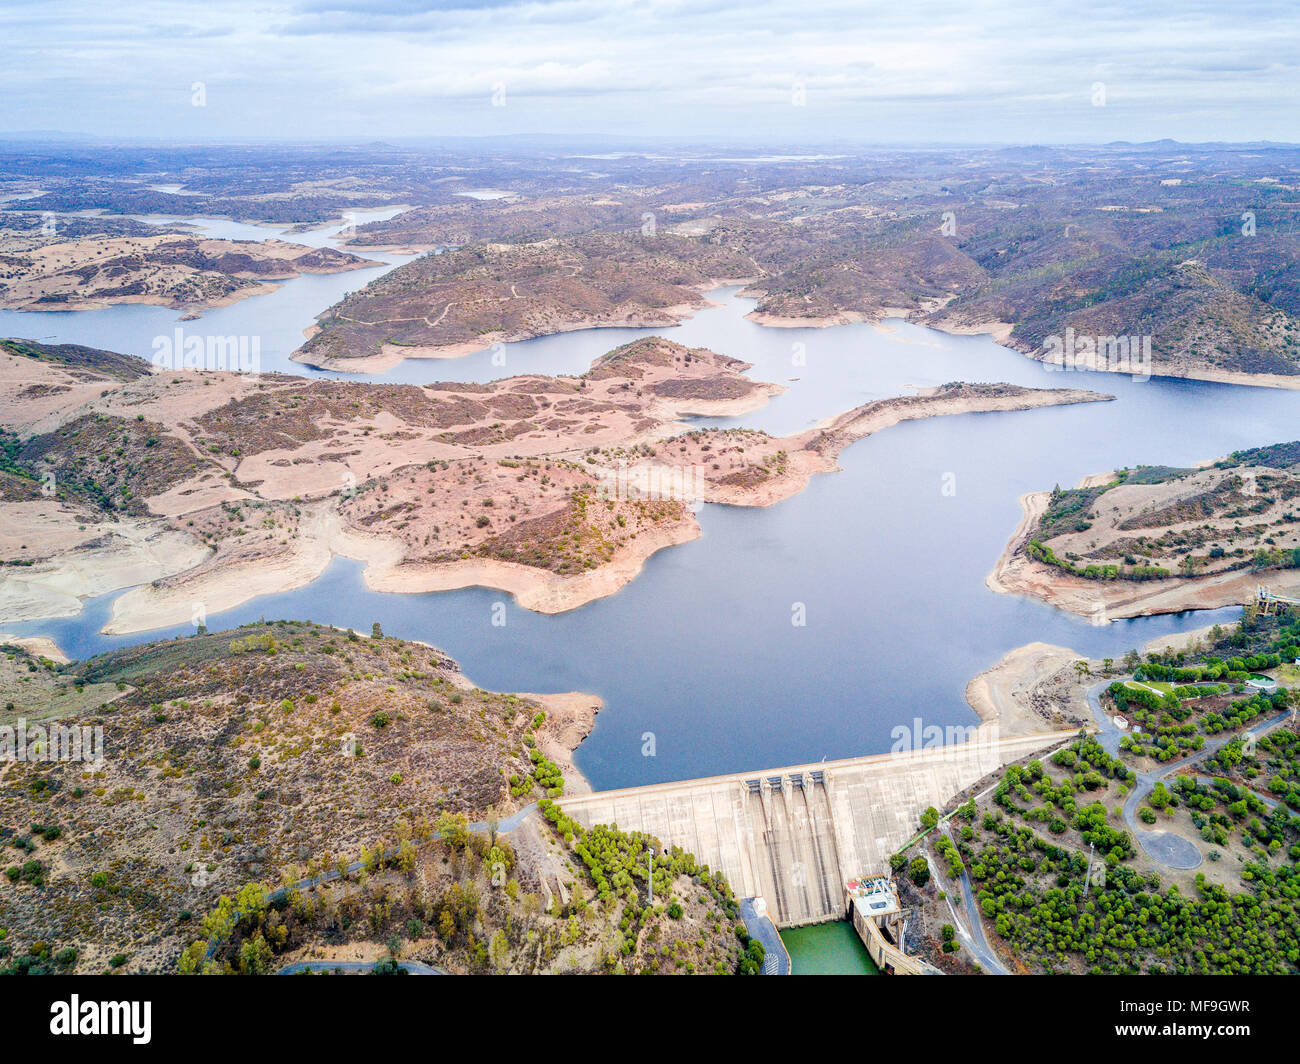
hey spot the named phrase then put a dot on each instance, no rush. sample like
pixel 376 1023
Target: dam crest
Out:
pixel 796 836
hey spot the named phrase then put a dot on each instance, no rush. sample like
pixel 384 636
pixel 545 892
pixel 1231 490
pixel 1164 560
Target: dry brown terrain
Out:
pixel 243 483
pixel 279 753
pixel 1173 539
pixel 746 467
pixel 450 304
pixel 1024 243
pixel 171 270
pixel 210 488
pixel 1033 688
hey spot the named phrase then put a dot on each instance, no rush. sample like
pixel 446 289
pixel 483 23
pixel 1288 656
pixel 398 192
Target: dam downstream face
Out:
pixel 698 661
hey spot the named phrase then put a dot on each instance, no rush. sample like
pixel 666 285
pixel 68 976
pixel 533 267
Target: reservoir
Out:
pixel 700 666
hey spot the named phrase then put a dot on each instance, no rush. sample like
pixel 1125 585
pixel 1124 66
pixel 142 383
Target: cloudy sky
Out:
pixel 911 71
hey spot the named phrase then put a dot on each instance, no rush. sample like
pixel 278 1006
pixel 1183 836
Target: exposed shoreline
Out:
pixel 827 321
pixel 146 608
pixel 817 449
pixel 1015 573
pixel 391 355
pixel 92 303
pixel 42 646
pixel 67 277
pixel 539 590
pixel 131 552
pixel 1000 332
pixel 1023 694
pixel 166 595
pixel 570 716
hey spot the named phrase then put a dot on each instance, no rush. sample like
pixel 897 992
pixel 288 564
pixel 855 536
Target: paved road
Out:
pixel 1270 803
pixel 504 827
pixel 1165 847
pixel 411 967
pixel 976 942
pixel 777 961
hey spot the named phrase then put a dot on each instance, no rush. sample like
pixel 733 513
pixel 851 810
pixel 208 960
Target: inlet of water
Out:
pixel 700 660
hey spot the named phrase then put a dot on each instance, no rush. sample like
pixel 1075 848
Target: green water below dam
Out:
pixel 828 949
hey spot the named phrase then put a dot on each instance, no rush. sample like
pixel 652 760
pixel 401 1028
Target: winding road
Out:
pixel 975 941
pixel 344 967
pixel 1164 847
pixel 503 827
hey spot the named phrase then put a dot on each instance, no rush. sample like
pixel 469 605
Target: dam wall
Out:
pixel 794 836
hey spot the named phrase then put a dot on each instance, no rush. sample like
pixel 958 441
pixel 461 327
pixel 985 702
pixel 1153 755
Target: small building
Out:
pixel 877 917
pixel 875 897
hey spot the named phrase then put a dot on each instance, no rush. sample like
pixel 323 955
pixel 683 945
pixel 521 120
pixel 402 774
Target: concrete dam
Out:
pixel 795 836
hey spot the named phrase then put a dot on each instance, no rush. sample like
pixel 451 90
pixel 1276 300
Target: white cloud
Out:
pixel 921 70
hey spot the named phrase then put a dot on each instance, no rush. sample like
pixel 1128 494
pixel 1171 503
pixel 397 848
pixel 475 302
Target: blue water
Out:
pixel 276 318
pixel 698 657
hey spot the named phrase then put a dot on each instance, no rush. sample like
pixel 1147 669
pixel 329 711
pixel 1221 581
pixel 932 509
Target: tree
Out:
pixel 929 818
pixel 192 957
pixel 218 924
pixel 376 632
pixel 453 828
pixel 919 871
pixel 255 956
pixel 499 950
pixel 251 899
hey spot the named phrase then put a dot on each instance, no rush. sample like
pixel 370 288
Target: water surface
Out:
pixel 827 949
pixel 699 660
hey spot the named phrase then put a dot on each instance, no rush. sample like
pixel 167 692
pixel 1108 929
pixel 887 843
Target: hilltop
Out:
pixel 1159 540
pixel 467 299
pixel 90 270
pixel 352 770
pixel 1190 250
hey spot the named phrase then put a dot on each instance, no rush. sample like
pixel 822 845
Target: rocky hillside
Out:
pixel 235 762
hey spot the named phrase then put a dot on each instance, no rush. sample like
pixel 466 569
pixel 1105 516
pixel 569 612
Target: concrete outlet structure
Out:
pixel 878 919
